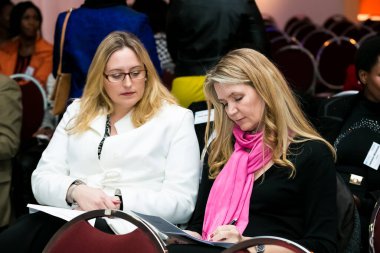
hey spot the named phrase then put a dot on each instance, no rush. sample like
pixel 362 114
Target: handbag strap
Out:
pixel 59 71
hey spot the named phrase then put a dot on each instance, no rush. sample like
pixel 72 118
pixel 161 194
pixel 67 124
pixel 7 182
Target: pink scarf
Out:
pixel 231 192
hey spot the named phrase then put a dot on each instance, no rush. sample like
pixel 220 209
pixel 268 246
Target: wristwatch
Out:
pixel 260 248
pixel 69 198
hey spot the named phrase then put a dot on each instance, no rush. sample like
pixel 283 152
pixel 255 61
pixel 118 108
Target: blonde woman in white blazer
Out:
pixel 124 145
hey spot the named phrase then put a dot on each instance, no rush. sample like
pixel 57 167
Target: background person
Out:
pixel 87 27
pixel 156 10
pixel 126 134
pixel 352 124
pixel 10 127
pixel 200 32
pixel 26 52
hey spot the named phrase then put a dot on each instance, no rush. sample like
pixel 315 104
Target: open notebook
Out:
pixel 168 232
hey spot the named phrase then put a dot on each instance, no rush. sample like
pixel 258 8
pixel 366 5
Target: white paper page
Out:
pixel 63 213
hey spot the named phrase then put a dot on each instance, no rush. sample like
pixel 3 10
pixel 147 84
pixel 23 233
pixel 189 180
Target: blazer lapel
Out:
pixel 99 124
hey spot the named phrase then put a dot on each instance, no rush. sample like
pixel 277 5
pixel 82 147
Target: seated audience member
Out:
pixel 352 124
pixel 269 170
pixel 10 126
pixel 5 11
pixel 26 52
pixel 87 27
pixel 126 134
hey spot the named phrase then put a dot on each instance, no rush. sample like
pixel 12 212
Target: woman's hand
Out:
pixel 226 233
pixel 46 132
pixel 89 198
pixel 193 234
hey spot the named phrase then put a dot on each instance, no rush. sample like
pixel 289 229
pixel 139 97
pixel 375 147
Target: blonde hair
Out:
pixel 95 100
pixel 283 121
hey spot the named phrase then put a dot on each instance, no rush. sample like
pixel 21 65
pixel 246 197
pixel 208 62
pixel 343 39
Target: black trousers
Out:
pixel 30 233
pixel 190 248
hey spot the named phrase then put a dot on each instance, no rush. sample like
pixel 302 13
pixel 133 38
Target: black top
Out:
pixel 200 32
pixel 301 209
pixel 352 124
pixel 359 131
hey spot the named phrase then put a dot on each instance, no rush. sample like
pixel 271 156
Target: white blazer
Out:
pixel 156 166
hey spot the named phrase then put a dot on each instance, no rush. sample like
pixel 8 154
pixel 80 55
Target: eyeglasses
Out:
pixel 119 77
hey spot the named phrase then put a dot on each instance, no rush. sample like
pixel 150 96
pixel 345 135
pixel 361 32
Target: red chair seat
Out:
pixel 78 235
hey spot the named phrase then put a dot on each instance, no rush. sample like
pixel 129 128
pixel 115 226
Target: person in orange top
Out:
pixel 26 52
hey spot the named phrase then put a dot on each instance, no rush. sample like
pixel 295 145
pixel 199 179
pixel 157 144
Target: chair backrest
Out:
pixel 357 32
pixel 315 39
pixel 339 27
pixel 273 32
pixel 78 235
pixel 332 20
pixel 346 93
pixel 366 37
pixel 294 23
pixel 298 66
pixel 374 229
pixel 333 59
pixel 34 103
pixel 266 240
pixel 303 31
pixel 268 20
pixel 280 42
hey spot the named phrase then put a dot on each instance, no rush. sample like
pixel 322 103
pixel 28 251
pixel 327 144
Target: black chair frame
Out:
pixel 267 240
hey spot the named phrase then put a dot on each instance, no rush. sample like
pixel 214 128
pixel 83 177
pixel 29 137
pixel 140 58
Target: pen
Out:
pixel 233 222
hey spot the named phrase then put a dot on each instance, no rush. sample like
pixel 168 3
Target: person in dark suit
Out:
pixel 200 32
pixel 10 127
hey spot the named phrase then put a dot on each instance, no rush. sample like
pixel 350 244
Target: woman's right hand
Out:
pixel 89 198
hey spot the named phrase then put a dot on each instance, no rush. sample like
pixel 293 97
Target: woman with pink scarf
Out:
pixel 269 172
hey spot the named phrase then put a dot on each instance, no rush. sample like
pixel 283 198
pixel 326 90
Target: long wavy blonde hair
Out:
pixel 283 121
pixel 95 100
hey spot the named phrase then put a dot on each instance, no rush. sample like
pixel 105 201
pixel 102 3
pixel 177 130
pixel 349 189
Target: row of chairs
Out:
pixel 313 58
pixel 311 72
pixel 78 235
pixel 336 24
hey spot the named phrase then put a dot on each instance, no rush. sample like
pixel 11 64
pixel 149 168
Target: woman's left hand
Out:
pixel 226 233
